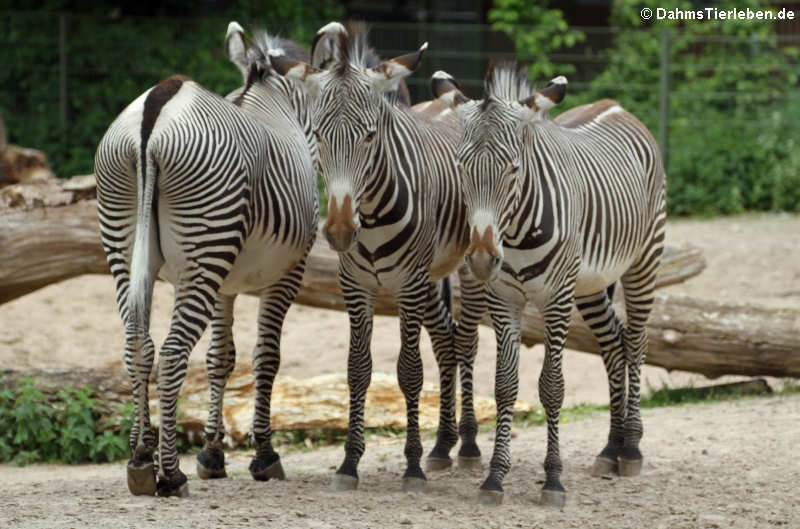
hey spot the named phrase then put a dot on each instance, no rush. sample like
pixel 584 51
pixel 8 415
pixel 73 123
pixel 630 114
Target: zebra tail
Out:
pixel 141 287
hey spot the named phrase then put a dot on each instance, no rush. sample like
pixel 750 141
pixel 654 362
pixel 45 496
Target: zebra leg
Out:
pixel 473 306
pixel 275 302
pixel 599 315
pixel 138 358
pixel 551 392
pixel 194 303
pixel 411 303
pixel 360 305
pixel 506 322
pixel 639 285
pixel 439 323
pixel 220 360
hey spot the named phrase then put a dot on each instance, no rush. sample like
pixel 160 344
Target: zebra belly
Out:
pixel 592 280
pixel 261 263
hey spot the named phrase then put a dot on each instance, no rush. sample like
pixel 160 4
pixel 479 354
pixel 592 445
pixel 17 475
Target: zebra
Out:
pixel 397 219
pixel 559 211
pixel 218 197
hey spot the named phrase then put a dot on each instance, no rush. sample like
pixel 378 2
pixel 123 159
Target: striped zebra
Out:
pixel 218 197
pixel 396 217
pixel 559 210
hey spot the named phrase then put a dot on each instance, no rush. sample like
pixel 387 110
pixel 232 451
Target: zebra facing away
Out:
pixel 559 210
pixel 396 216
pixel 218 197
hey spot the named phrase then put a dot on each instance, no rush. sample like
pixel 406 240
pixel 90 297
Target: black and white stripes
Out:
pixel 559 210
pixel 220 198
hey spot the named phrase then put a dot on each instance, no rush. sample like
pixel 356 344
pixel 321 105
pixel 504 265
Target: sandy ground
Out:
pixel 717 466
pixel 730 464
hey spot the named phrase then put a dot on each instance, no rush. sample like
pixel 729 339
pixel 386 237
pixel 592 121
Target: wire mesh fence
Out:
pixel 66 77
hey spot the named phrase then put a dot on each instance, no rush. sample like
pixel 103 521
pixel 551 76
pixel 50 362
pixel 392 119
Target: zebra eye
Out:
pixel 317 137
pixel 514 169
pixel 369 137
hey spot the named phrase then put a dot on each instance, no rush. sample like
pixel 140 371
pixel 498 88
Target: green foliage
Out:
pixel 33 430
pixel 536 31
pixel 111 60
pixel 733 98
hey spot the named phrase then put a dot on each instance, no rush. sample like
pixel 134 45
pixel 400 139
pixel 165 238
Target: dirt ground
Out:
pixel 723 465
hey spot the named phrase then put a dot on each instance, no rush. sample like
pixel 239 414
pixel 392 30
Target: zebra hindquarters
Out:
pixel 117 206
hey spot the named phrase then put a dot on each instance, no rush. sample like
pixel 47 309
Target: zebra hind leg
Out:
pixel 141 471
pixel 439 322
pixel 473 307
pixel 599 315
pixel 639 285
pixel 220 360
pixel 275 302
pixel 360 304
pixel 194 304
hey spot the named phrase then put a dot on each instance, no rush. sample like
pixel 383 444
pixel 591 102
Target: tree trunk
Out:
pixel 43 245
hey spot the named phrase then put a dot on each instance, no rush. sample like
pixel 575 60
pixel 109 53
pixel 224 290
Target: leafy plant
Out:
pixel 537 31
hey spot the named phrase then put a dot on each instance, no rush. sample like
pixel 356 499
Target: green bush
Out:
pixel 34 430
pixel 733 103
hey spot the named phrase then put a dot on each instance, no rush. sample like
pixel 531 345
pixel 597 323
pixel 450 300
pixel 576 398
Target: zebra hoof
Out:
pixel 469 462
pixel 603 466
pixel 176 486
pixel 142 478
pixel 436 464
pixel 554 498
pixel 204 472
pixel 492 498
pixel 273 471
pixel 630 467
pixel 412 484
pixel 342 482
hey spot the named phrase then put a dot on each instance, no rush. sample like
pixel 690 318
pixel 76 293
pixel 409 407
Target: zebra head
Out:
pixel 350 119
pixel 490 153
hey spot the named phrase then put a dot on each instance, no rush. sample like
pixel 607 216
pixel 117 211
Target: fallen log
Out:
pixel 43 245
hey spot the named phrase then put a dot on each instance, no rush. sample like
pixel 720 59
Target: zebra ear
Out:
pixel 445 88
pixel 300 71
pixel 549 96
pixel 326 49
pixel 237 48
pixel 388 74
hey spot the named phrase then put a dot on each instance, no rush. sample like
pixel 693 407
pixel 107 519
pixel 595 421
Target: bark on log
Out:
pixel 43 245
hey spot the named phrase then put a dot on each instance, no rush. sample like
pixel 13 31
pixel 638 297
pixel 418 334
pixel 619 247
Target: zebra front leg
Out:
pixel 359 373
pixel 473 307
pixel 639 285
pixel 220 360
pixel 275 302
pixel 598 313
pixel 506 322
pixel 439 323
pixel 193 307
pixel 411 305
pixel 551 392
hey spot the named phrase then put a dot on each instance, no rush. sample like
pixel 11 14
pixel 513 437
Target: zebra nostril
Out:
pixel 495 261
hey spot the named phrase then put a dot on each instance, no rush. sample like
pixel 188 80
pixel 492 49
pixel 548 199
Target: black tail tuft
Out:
pixel 447 294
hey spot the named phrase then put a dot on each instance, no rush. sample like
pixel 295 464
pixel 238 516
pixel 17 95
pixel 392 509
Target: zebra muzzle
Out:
pixel 340 228
pixel 483 256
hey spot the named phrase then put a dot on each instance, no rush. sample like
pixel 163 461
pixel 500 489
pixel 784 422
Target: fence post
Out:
pixel 62 69
pixel 663 107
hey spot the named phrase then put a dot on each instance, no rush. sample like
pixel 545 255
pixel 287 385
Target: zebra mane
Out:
pixel 507 81
pixel 263 42
pixel 355 47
